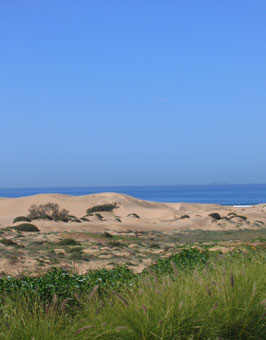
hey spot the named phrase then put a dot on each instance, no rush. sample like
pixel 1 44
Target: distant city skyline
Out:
pixel 108 93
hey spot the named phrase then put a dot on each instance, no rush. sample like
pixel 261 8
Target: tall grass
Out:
pixel 224 299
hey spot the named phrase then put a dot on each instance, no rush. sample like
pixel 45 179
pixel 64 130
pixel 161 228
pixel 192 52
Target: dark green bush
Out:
pixel 215 216
pixel 186 259
pixel 184 216
pixel 133 215
pixel 106 234
pixel 231 213
pixel 26 227
pixel 244 218
pixel 68 242
pixel 102 207
pixel 48 211
pixel 21 219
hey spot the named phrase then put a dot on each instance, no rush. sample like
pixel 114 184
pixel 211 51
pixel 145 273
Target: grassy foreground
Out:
pixel 191 295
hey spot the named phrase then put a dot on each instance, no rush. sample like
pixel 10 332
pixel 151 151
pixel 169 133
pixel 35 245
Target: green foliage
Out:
pixel 102 207
pixel 221 301
pixel 187 259
pixel 68 242
pixel 191 295
pixel 66 284
pixel 26 227
pixel 155 245
pixel 116 244
pixel 106 234
pixel 215 216
pixel 21 219
pixel 49 211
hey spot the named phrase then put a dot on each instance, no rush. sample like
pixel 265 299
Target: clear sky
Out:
pixel 129 92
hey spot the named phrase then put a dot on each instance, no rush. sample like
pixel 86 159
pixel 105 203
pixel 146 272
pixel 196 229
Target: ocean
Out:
pixel 240 194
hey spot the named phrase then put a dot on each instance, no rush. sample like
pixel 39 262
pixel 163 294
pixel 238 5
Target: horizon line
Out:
pixel 127 186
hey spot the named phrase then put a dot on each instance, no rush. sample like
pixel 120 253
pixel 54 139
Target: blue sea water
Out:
pixel 248 194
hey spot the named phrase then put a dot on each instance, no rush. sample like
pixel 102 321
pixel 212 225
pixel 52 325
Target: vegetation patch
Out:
pixel 191 295
pixel 26 227
pixel 184 216
pixel 215 216
pixel 116 244
pixel 133 215
pixel 68 242
pixel 49 211
pixel 106 234
pixel 84 219
pixel 102 207
pixel 21 219
pixel 244 218
pixel 99 216
pixel 8 242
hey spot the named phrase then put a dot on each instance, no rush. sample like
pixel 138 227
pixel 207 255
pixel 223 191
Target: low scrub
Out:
pixel 49 211
pixel 133 215
pixel 184 216
pixel 99 216
pixel 21 219
pixel 106 234
pixel 68 242
pixel 215 216
pixel 26 227
pixel 8 242
pixel 244 218
pixel 102 207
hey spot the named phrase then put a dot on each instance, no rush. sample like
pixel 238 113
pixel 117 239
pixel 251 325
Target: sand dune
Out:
pixel 139 232
pixel 152 215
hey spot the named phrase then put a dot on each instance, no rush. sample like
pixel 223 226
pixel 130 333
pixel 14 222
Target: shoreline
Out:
pixel 226 195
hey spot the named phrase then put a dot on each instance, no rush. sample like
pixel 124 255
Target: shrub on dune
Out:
pixel 26 227
pixel 215 216
pixel 21 219
pixel 102 207
pixel 48 211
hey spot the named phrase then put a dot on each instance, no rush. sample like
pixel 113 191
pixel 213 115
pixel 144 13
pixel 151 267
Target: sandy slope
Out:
pixel 153 215
pixel 36 252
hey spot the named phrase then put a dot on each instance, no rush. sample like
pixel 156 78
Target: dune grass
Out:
pixel 221 297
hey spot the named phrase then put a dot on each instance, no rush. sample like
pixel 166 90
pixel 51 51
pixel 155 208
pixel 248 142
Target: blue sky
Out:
pixel 132 92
